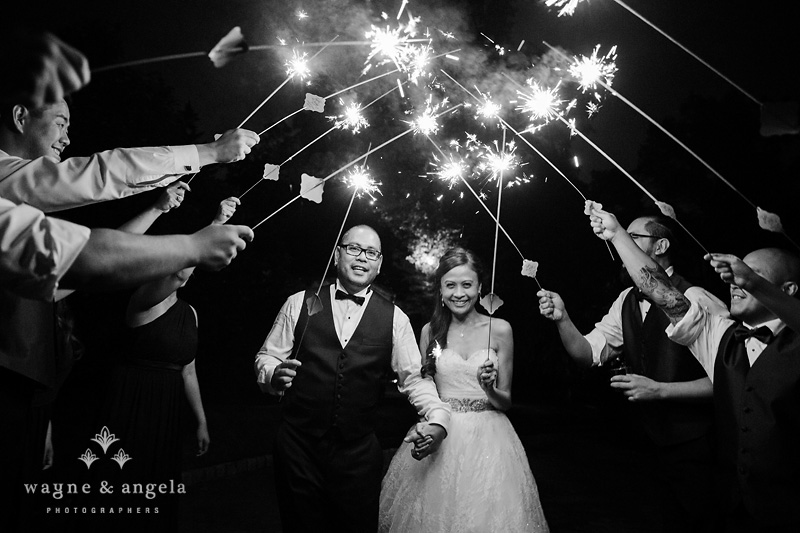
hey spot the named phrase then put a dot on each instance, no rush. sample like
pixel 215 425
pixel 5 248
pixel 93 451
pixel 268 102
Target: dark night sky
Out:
pixel 755 46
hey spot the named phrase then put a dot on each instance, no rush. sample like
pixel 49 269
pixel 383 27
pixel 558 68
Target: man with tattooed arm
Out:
pixel 753 359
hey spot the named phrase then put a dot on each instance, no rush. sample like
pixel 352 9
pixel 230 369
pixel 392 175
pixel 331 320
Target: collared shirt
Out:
pixel 702 332
pixel 35 250
pixel 406 359
pixel 50 185
pixel 606 337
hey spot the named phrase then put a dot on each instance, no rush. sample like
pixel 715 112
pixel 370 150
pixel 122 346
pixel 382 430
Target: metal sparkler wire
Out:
pixel 679 45
pixel 353 162
pixel 540 154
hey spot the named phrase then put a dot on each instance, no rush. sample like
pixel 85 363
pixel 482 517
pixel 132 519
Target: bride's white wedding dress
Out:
pixel 479 480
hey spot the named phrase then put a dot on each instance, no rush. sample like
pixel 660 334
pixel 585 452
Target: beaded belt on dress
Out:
pixel 468 405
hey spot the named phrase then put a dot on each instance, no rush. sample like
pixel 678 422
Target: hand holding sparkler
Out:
pixel 487 375
pixel 231 146
pixel 551 306
pixel 172 197
pixel 226 209
pixel 604 224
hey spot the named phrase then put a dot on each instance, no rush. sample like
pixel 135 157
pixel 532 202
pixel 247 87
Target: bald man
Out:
pixel 753 359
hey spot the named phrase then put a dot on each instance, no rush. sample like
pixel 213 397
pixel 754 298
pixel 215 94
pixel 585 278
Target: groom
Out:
pixel 328 460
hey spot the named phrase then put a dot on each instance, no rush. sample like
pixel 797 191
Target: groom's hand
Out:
pixel 426 438
pixel 284 374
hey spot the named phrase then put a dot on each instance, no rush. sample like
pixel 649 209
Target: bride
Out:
pixel 479 480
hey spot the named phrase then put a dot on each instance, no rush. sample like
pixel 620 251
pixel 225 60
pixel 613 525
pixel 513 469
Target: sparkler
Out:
pixel 568 8
pixel 353 162
pixel 454 173
pixel 630 177
pixel 523 139
pixel 593 69
pixel 607 85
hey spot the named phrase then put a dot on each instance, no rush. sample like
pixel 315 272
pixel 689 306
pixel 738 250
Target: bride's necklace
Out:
pixel 462 329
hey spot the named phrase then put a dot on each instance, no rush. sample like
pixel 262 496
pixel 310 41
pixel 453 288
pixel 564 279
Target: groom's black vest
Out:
pixel 758 426
pixel 339 387
pixel 648 352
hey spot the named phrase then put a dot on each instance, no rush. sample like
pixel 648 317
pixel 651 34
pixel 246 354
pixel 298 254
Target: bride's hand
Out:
pixel 487 375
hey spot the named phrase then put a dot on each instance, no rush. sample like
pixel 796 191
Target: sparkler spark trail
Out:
pixel 477 197
pixel 353 162
pixel 567 6
pixel 540 103
pixel 351 118
pixel 593 69
pixel 362 182
pixel 615 93
pixel 297 66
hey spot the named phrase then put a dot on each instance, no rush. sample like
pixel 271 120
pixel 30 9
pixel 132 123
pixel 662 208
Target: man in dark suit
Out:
pixel 327 355
pixel 754 362
pixel 668 387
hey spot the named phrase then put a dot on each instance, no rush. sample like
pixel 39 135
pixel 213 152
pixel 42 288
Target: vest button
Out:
pixel 338 396
pixel 341 365
pixel 749 388
pixel 746 410
pixel 745 429
pixel 341 376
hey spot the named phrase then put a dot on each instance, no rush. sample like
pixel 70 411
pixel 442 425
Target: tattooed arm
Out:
pixel 645 273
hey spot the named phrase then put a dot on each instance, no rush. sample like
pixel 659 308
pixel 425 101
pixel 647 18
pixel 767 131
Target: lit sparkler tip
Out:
pixel 593 69
pixel 351 119
pixel 567 6
pixel 301 14
pixel 426 123
pixel 362 182
pixel 540 102
pixel 436 351
pixel 489 109
pixel 298 65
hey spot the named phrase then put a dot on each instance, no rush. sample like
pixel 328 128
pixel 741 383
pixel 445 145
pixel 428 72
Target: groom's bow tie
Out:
pixel 762 333
pixel 341 295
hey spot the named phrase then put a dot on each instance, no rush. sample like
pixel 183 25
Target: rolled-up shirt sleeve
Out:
pixel 52 185
pixel 35 250
pixel 606 338
pixel 701 330
pixel 406 362
pixel 279 343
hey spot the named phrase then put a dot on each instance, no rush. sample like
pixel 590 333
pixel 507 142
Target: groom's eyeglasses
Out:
pixel 635 236
pixel 355 250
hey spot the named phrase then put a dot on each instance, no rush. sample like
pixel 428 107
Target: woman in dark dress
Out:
pixel 145 402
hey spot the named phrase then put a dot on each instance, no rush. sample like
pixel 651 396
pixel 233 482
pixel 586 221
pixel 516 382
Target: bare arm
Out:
pixel 552 307
pixel 192 389
pixel 781 300
pixel 114 259
pixel 645 273
pixel 170 198
pixel 496 382
pixel 641 388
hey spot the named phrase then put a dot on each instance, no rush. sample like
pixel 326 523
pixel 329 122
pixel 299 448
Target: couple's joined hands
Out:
pixel 426 439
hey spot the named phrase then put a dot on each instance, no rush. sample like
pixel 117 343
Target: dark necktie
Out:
pixel 762 333
pixel 341 295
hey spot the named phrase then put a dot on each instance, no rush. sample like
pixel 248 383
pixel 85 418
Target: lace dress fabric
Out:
pixel 479 480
